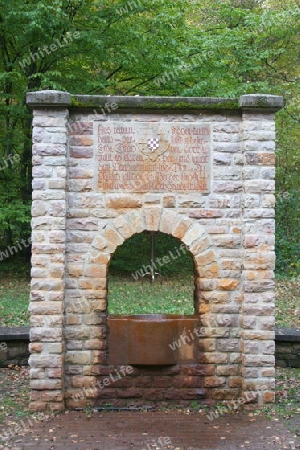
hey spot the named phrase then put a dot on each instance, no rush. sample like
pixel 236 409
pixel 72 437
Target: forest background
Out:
pixel 147 47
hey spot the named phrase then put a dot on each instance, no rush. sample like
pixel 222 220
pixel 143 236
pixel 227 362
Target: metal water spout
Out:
pixel 152 273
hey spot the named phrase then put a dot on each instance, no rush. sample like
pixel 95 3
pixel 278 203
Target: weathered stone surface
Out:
pixel 48 97
pixel 214 381
pixel 83 357
pixel 45 384
pixel 123 226
pixel 190 201
pixel 225 394
pixel 43 334
pixel 45 361
pixel 228 345
pixel 113 237
pixel 260 159
pixel 81 152
pixel 79 141
pixel 214 358
pixel 169 201
pixel 262 361
pixel 35 347
pixel 274 102
pixel 222 158
pixel 96 271
pixel 117 201
pixel 228 284
pixel 44 308
pixel 78 127
pixel 228 370
pixel 152 217
pixel 205 213
pixel 167 221
pixel 181 227
pixel 134 157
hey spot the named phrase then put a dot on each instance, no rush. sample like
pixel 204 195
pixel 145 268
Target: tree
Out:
pixel 157 47
pixel 88 46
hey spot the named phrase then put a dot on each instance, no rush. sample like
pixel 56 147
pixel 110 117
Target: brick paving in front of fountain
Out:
pixel 158 430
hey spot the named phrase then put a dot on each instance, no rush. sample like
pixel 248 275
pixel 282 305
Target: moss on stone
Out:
pixel 145 103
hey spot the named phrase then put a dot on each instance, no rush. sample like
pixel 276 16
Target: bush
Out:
pixel 288 233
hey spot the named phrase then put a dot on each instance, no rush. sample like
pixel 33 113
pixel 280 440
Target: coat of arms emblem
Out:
pixel 153 144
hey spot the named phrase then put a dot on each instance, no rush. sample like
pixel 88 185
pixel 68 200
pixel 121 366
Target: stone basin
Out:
pixel 148 339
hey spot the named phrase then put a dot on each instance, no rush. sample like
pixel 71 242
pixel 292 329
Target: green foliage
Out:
pixel 157 47
pixel 288 233
pixel 114 53
pixel 288 188
pixel 136 253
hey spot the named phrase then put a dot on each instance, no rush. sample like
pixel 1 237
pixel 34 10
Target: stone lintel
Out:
pixel 60 98
pixel 154 102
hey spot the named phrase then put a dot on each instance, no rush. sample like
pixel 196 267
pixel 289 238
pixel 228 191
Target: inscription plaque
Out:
pixel 154 157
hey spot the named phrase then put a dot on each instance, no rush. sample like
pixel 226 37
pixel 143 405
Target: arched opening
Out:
pixel 151 273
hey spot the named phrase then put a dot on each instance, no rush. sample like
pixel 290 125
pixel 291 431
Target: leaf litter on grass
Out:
pixel 14 301
pixel 288 302
pixel 15 417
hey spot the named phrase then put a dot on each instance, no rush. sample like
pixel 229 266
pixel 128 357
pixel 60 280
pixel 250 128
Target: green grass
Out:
pixel 175 296
pixel 288 302
pixel 17 405
pixel 14 300
pixel 287 392
pixel 287 399
pixel 170 296
pixel 13 407
pixel 125 296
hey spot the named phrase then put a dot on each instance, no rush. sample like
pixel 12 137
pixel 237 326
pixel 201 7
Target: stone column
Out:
pixel 258 315
pixel 50 138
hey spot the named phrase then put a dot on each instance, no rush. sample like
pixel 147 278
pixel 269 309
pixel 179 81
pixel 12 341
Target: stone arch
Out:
pixel 187 230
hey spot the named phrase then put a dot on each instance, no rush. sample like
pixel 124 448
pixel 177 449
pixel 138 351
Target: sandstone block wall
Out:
pixel 228 228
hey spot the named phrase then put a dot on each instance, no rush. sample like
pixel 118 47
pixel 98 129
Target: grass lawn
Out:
pixel 14 299
pixel 287 395
pixel 286 407
pixel 288 302
pixel 173 296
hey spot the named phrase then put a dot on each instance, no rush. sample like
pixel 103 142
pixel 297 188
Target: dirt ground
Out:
pixel 187 429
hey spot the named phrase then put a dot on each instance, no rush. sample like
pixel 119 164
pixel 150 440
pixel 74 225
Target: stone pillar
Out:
pixel 50 138
pixel 258 316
